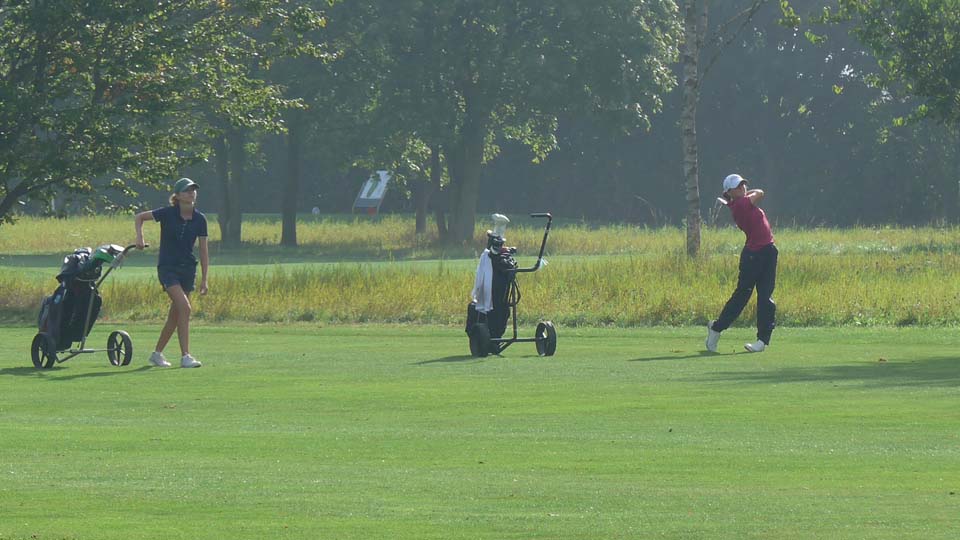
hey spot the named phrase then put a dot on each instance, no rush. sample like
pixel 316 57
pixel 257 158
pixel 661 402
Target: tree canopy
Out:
pixel 917 46
pixel 102 95
pixel 568 106
pixel 466 74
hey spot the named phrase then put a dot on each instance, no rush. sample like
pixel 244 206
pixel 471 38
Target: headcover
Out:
pixel 496 238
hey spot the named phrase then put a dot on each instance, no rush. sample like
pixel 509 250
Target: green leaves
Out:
pixel 789 17
pixel 101 94
pixel 917 49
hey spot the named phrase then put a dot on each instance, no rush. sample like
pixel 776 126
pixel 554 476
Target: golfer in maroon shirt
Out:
pixel 758 265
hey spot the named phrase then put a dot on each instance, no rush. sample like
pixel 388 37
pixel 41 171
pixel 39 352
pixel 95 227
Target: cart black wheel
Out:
pixel 43 351
pixel 480 340
pixel 119 348
pixel 546 339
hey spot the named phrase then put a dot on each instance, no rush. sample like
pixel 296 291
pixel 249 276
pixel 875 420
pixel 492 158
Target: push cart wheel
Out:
pixel 43 351
pixel 119 348
pixel 480 340
pixel 546 339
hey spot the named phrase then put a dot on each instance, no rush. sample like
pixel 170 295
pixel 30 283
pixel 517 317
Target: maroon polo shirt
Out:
pixel 753 222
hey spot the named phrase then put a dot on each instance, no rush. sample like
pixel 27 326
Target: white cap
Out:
pixel 732 181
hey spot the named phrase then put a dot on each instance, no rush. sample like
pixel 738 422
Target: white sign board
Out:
pixel 372 193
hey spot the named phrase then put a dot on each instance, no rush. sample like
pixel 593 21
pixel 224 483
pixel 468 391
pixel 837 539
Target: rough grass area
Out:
pixel 392 237
pixel 392 432
pixel 353 270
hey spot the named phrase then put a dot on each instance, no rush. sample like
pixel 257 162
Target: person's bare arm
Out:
pixel 755 196
pixel 138 223
pixel 204 264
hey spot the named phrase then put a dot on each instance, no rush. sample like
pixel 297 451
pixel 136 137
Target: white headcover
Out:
pixel 500 225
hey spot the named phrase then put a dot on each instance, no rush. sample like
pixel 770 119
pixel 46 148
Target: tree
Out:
pixel 335 79
pixel 917 46
pixel 235 100
pixel 104 93
pixel 488 70
pixel 793 115
pixel 81 87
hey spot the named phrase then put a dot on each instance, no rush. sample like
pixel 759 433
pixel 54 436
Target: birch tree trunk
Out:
pixel 694 22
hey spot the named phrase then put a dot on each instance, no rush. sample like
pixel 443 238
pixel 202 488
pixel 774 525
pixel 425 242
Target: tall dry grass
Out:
pixel 614 275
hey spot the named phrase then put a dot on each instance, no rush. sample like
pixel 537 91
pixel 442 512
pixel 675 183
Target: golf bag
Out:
pixel 63 315
pixel 495 296
pixel 505 293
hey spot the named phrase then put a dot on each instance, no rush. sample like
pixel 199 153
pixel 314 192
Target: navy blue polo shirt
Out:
pixel 178 235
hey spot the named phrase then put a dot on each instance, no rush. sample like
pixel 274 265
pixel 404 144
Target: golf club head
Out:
pixel 722 201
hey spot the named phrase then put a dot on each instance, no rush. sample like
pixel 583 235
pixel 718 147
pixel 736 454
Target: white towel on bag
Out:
pixel 482 294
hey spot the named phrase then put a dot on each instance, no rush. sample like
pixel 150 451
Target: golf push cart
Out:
pixel 496 294
pixel 67 316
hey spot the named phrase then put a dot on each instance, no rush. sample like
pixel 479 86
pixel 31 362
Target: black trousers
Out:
pixel 757 269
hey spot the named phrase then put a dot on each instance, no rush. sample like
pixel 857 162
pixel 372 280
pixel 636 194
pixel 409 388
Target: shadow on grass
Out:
pixel 933 372
pixel 701 354
pixel 25 371
pixel 105 373
pixel 266 254
pixel 54 372
pixel 448 359
pixel 53 261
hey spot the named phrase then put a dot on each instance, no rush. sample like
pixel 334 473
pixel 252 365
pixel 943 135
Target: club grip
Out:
pixel 542 214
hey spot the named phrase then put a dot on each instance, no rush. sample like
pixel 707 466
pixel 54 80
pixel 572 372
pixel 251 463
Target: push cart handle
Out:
pixel 117 262
pixel 543 244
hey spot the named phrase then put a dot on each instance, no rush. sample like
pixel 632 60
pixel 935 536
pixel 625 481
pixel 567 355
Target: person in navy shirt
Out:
pixel 181 225
pixel 758 266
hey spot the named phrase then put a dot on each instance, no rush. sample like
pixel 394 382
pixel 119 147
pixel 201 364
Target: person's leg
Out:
pixel 187 275
pixel 167 332
pixel 167 278
pixel 181 307
pixel 749 273
pixel 766 308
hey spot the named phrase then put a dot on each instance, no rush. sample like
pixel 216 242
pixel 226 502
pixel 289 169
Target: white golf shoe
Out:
pixel 157 359
pixel 713 337
pixel 189 361
pixel 759 346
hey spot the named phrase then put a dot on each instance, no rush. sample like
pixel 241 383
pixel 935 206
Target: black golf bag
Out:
pixel 505 294
pixel 63 315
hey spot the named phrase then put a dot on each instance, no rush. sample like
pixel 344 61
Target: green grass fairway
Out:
pixel 394 433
